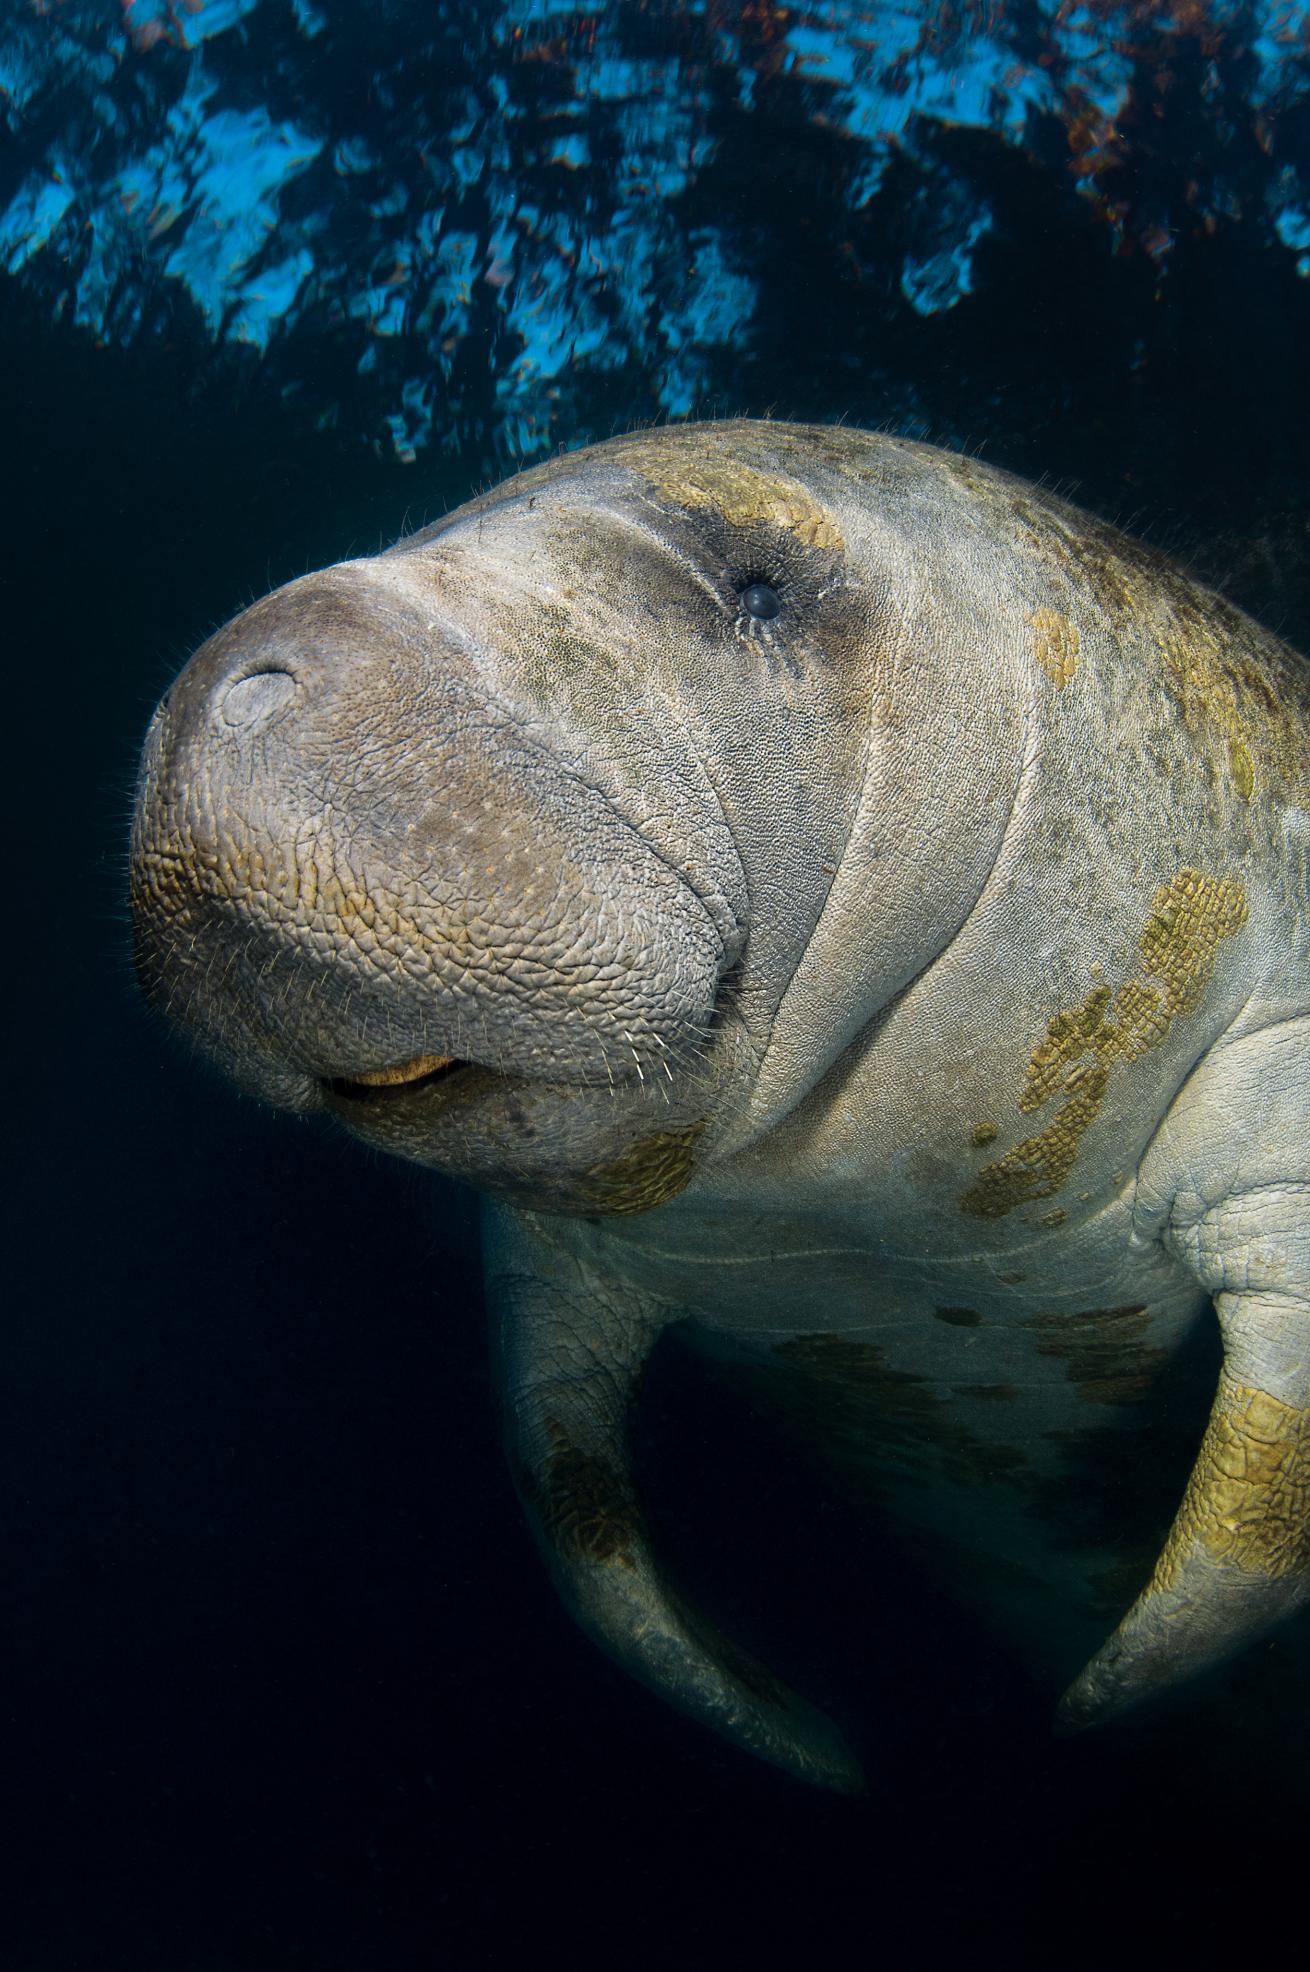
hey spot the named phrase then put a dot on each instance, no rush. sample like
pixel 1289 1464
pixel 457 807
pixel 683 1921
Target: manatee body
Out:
pixel 840 902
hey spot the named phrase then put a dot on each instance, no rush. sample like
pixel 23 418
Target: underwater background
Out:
pixel 284 1684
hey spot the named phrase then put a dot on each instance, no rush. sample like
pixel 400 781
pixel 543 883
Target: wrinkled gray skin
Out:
pixel 906 994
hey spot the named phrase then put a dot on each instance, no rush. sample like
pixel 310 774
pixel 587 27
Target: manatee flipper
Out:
pixel 570 1349
pixel 1237 1558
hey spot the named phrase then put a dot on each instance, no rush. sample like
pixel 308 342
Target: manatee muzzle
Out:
pixel 356 877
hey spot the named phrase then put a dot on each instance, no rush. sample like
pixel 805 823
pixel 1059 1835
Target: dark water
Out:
pixel 283 1683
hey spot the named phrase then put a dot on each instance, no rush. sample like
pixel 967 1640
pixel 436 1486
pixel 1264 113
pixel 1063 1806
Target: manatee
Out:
pixel 845 907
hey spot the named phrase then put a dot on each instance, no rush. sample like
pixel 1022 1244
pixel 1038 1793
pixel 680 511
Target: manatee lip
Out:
pixel 397 1078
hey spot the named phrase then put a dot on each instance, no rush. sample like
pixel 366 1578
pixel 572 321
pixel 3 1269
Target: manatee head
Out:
pixel 504 846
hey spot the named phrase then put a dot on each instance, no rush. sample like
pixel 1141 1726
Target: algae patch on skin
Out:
pixel 1104 1350
pixel 1222 695
pixel 741 493
pixel 1190 917
pixel 1247 1503
pixel 652 1171
pixel 1055 645
pixel 585 1503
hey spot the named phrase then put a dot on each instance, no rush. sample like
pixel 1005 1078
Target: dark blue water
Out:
pixel 284 1685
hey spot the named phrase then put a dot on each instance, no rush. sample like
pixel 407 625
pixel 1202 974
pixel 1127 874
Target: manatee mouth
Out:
pixel 400 1078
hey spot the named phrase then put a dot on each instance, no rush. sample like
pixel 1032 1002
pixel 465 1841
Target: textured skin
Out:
pixel 906 997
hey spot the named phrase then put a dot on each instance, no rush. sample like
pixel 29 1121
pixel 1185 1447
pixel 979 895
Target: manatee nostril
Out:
pixel 254 699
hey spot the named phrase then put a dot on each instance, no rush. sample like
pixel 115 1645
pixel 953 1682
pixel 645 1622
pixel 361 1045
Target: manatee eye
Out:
pixel 760 601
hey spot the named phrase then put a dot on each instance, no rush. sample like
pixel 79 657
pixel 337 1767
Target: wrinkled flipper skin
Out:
pixel 1228 1187
pixel 569 1349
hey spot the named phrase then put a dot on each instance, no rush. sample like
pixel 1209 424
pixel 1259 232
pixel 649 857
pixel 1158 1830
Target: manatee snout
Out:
pixel 367 882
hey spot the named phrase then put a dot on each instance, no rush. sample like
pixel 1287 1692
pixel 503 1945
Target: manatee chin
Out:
pixel 607 1136
pixel 543 1145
